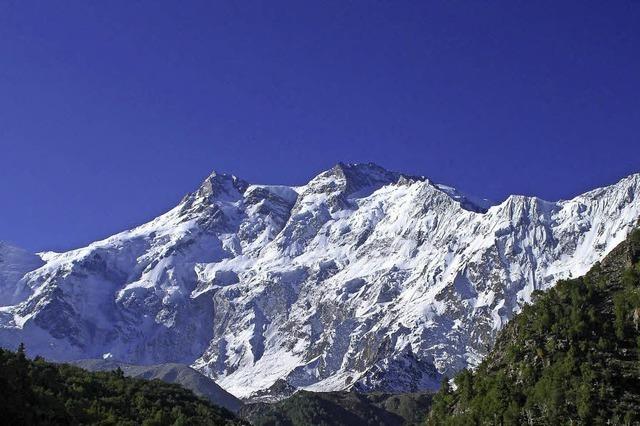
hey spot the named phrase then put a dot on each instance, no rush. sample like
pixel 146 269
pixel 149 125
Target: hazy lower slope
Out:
pixel 572 357
pixel 362 278
pixel 181 374
pixel 42 393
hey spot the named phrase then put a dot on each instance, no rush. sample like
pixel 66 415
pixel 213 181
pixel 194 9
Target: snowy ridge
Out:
pixel 14 264
pixel 361 278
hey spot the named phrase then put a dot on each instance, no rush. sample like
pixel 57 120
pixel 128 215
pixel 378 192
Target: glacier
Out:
pixel 360 279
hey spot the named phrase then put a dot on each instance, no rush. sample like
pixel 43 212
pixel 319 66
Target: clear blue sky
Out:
pixel 111 111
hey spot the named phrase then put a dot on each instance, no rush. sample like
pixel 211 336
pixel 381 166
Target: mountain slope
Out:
pixel 572 357
pixel 38 392
pixel 362 278
pixel 15 263
pixel 180 374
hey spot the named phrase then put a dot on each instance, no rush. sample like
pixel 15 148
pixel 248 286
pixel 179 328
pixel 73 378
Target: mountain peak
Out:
pixel 360 167
pixel 356 179
pixel 222 185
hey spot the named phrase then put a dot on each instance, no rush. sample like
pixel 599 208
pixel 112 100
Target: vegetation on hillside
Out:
pixel 39 392
pixel 571 357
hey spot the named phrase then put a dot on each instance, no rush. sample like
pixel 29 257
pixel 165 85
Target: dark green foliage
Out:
pixel 340 408
pixel 571 357
pixel 38 392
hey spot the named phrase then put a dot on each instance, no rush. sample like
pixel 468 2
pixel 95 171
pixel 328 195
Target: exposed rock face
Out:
pixel 361 278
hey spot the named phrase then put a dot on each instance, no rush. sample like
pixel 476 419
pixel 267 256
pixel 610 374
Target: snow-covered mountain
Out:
pixel 361 278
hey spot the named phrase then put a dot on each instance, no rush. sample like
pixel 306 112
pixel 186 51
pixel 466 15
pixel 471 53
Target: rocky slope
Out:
pixel 181 374
pixel 362 278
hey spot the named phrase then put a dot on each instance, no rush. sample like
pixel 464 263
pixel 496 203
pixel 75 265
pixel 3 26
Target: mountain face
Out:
pixel 361 279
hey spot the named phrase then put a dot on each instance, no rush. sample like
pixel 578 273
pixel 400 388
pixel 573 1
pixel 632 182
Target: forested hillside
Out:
pixel 571 357
pixel 39 392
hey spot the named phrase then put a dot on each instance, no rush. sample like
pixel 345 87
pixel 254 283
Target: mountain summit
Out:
pixel 362 278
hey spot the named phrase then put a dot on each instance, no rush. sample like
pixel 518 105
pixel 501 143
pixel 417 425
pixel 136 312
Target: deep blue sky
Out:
pixel 111 111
